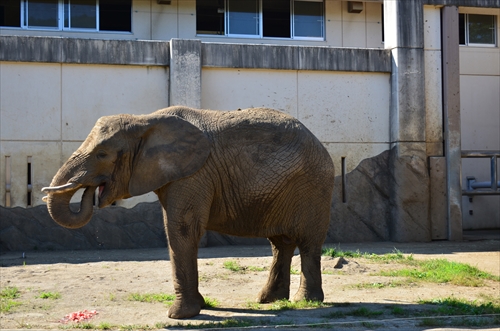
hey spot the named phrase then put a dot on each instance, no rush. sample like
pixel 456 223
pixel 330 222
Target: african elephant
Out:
pixel 254 172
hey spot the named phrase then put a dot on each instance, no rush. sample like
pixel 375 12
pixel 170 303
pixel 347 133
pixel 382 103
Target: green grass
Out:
pixel 211 303
pixel 167 299
pixel 443 271
pixel 380 285
pixel 358 312
pixel 455 306
pixel 302 304
pixel 152 297
pixel 50 295
pixel 7 296
pixel 233 266
pixel 396 255
pixel 236 267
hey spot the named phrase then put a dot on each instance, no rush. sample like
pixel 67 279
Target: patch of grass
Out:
pixel 252 268
pixel 380 285
pixel 253 305
pixel 443 271
pixel 398 311
pixel 334 252
pixel 152 297
pixel 233 266
pixel 294 271
pixel 228 323
pixel 364 312
pixel 454 306
pixel 105 326
pixel 302 304
pixel 49 295
pixel 396 255
pixel 7 296
pixel 211 303
pixel 358 312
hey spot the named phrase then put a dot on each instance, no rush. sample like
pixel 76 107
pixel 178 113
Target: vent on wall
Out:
pixel 354 7
pixel 163 2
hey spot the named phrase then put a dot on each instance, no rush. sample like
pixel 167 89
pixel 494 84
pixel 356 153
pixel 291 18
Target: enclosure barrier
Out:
pixel 473 187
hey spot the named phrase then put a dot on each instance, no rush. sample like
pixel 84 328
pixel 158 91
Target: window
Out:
pixel 477 29
pixel 296 19
pixel 81 15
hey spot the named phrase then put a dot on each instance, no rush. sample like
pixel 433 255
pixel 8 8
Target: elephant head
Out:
pixel 124 156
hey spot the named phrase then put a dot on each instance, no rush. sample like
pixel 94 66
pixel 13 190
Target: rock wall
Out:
pixel 366 215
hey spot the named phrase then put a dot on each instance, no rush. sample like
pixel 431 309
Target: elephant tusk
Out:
pixel 61 188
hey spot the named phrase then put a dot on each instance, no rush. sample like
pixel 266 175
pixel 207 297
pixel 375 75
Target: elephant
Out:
pixel 255 172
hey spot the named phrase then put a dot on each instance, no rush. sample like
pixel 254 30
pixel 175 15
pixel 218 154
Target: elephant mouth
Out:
pixel 101 189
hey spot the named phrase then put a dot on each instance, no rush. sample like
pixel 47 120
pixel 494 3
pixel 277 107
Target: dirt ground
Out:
pixel 104 280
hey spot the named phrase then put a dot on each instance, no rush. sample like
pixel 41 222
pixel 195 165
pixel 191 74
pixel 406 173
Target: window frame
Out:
pixel 260 34
pixel 24 22
pixel 69 28
pixel 467 35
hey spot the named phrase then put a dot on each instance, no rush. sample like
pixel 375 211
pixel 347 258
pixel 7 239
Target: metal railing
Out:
pixel 483 188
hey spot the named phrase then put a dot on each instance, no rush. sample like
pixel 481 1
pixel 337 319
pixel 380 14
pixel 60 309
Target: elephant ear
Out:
pixel 171 148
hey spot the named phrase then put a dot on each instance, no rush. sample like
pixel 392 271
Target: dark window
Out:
pixel 276 18
pixel 10 13
pixel 461 29
pixel 295 19
pixel 115 15
pixel 210 17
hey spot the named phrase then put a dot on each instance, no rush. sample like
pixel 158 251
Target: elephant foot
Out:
pixel 185 308
pixel 267 296
pixel 309 295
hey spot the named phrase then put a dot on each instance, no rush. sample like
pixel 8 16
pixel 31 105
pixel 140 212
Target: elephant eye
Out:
pixel 101 154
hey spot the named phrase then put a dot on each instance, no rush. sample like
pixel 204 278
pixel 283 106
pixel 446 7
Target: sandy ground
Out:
pixel 104 280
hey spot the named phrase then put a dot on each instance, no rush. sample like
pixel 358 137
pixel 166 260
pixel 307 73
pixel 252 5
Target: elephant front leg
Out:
pixel 183 258
pixel 278 283
pixel 188 300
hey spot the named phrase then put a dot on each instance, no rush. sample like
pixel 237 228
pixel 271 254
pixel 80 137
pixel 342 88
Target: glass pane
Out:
pixel 43 13
pixel 243 17
pixel 210 17
pixel 115 15
pixel 276 18
pixel 83 14
pixel 308 19
pixel 481 29
pixel 10 13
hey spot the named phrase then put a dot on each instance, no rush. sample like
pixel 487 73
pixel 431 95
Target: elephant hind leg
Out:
pixel 278 283
pixel 310 276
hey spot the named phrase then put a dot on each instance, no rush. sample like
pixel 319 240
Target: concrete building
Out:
pixel 395 89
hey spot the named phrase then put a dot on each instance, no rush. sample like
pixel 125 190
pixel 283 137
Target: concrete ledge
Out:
pixel 295 57
pixel 83 51
pixel 465 3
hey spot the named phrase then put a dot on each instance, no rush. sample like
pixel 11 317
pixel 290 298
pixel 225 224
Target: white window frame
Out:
pixel 60 20
pixel 261 22
pixel 69 28
pixel 292 3
pixel 466 31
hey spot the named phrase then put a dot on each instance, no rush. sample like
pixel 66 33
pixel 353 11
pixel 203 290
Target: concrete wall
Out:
pixel 151 21
pixel 47 110
pixel 480 116
pixel 357 101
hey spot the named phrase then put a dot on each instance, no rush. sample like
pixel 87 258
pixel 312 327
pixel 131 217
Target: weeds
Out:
pixel 7 296
pixel 236 267
pixel 443 271
pixel 49 295
pixel 152 297
pixel 302 304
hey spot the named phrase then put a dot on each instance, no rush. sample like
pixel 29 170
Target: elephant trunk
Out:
pixel 59 209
